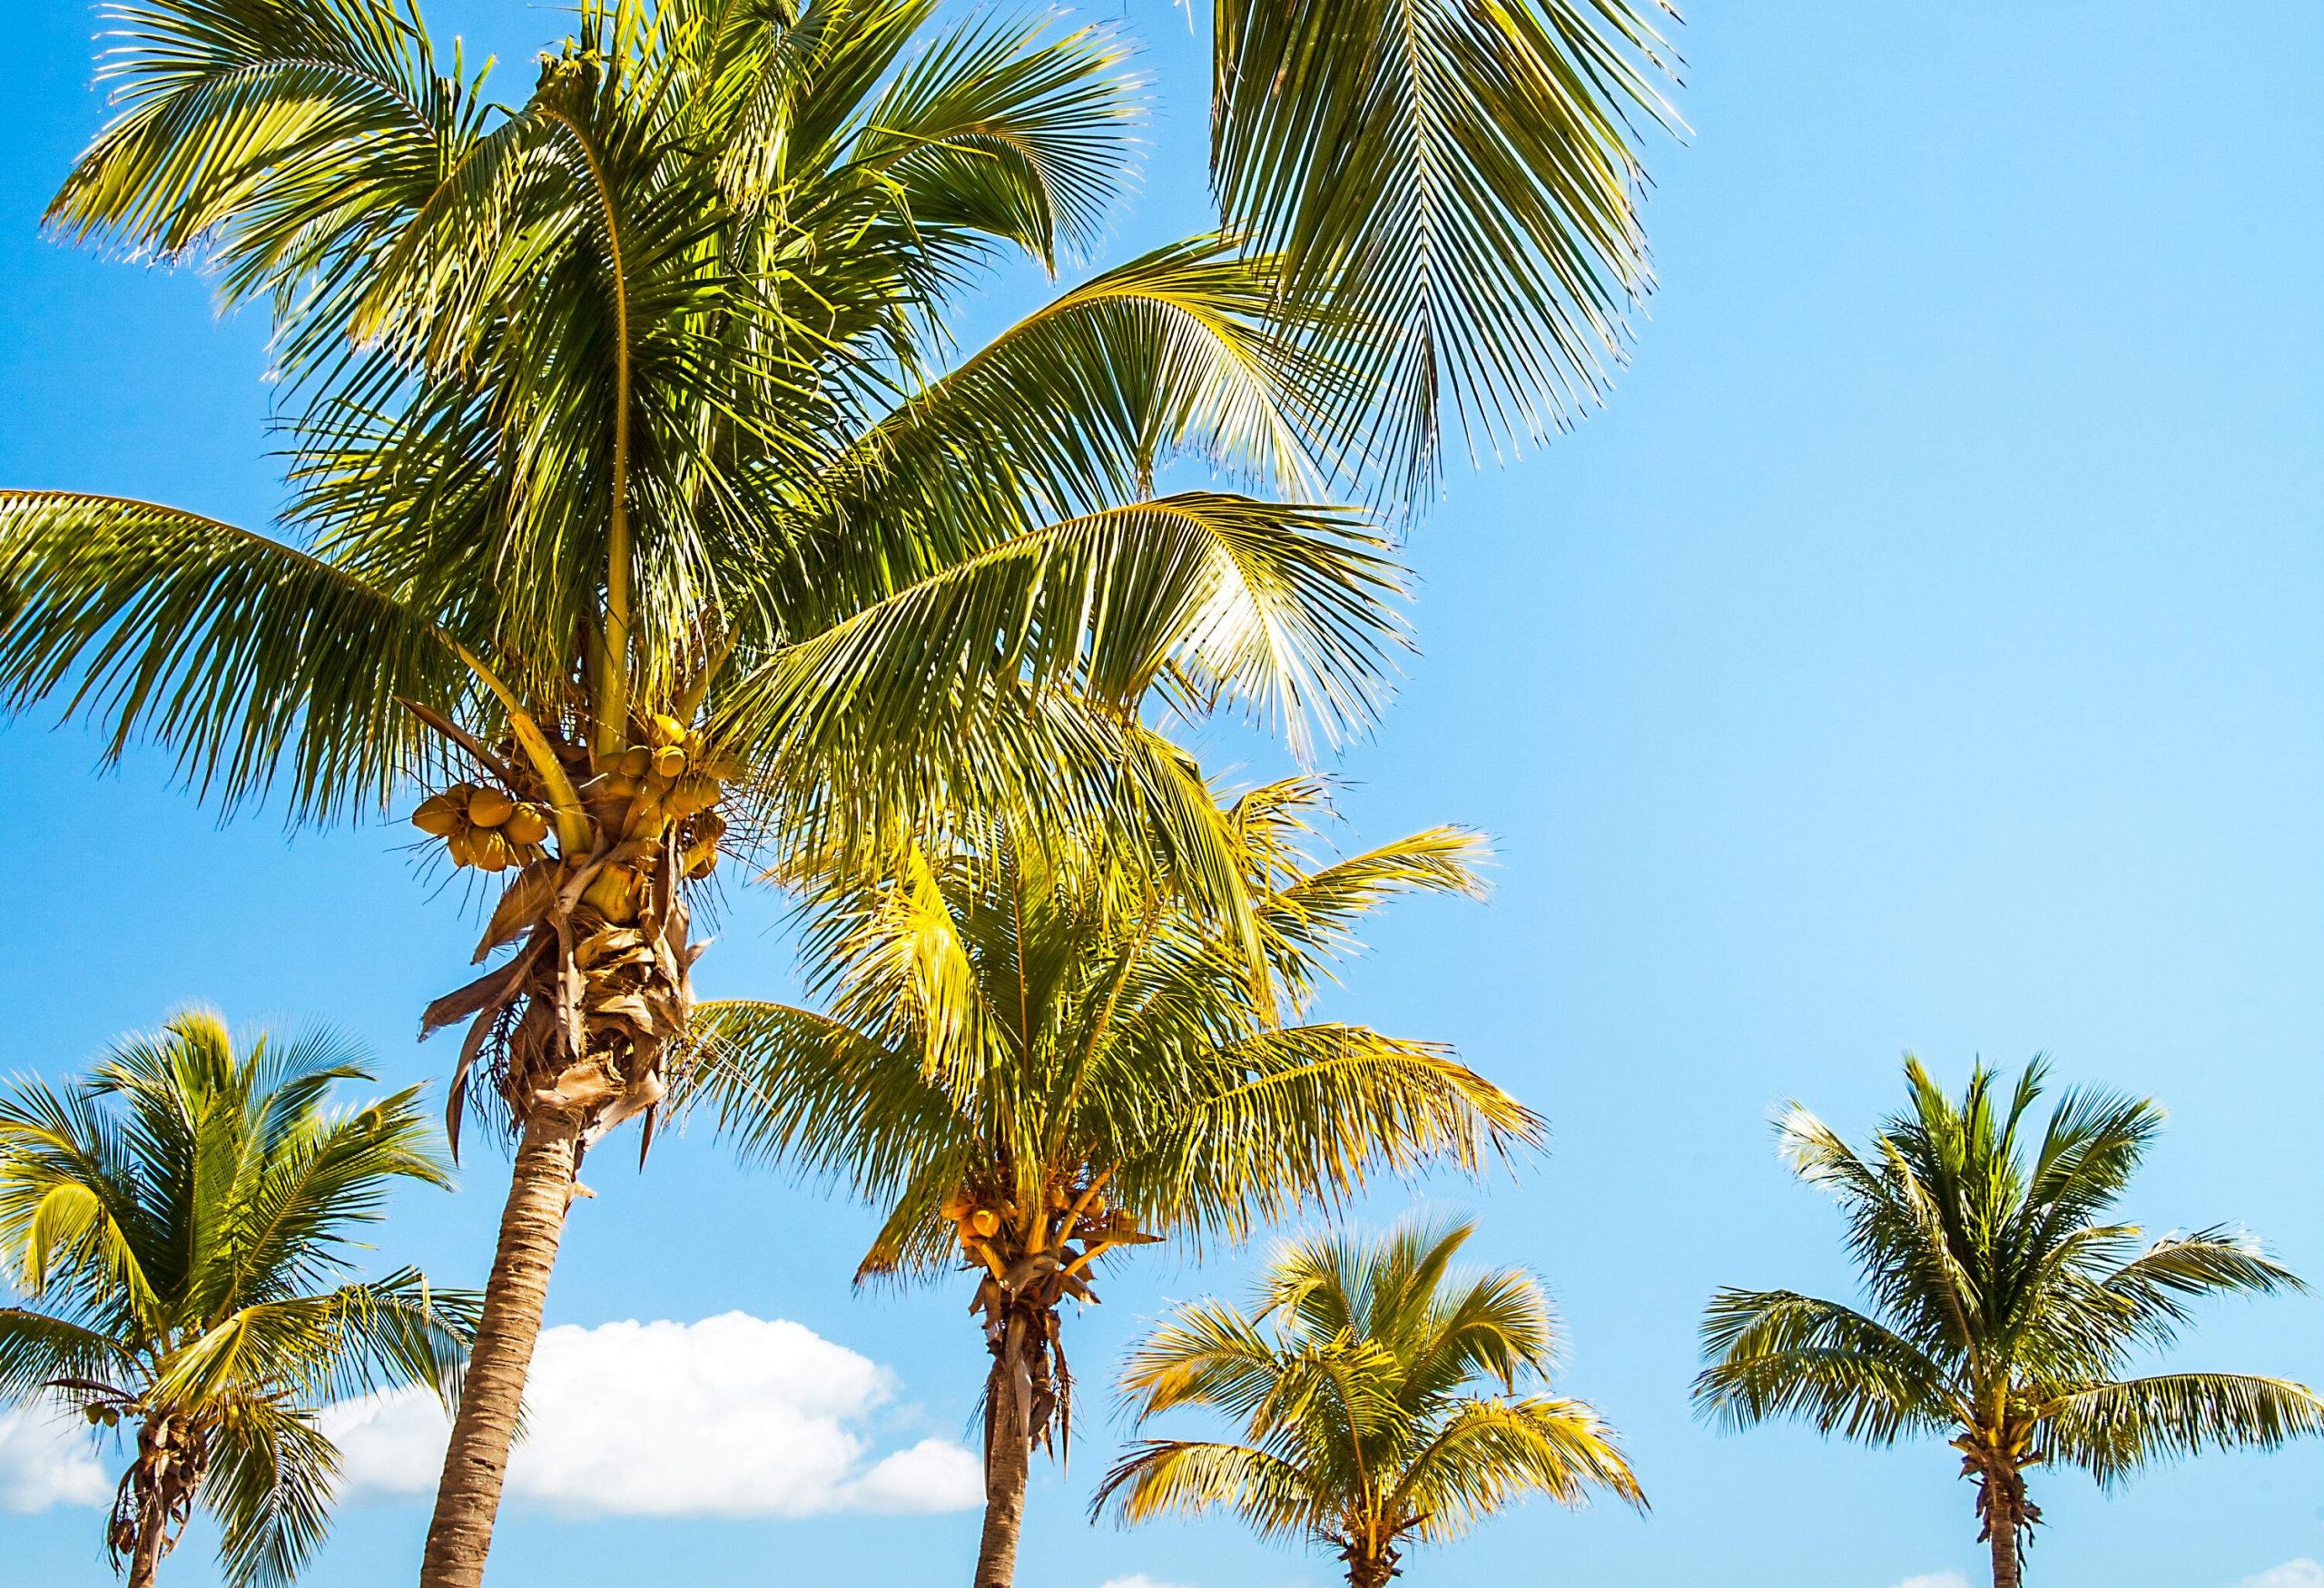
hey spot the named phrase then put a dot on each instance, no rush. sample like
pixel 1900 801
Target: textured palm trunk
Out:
pixel 1008 1459
pixel 145 1560
pixel 2005 1558
pixel 475 1464
pixel 1006 1470
pixel 574 1031
pixel 156 1493
pixel 1366 1569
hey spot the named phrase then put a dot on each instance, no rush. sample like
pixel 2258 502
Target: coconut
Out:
pixel 489 808
pixel 636 761
pixel 691 793
pixel 526 825
pixel 440 816
pixel 669 732
pixel 985 1221
pixel 613 894
pixel 669 761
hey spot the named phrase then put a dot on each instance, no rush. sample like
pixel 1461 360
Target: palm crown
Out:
pixel 1366 1383
pixel 2006 1300
pixel 183 1225
pixel 1035 1052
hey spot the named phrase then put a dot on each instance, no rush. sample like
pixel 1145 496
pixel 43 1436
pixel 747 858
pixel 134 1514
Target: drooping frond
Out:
pixel 1463 179
pixel 2113 1430
pixel 1185 1477
pixel 257 663
pixel 1492 1452
pixel 1777 1354
pixel 1282 606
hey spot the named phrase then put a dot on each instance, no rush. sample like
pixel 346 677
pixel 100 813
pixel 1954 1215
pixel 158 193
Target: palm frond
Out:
pixel 1463 178
pixel 253 661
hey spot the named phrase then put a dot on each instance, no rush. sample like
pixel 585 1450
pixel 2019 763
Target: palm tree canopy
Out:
pixel 1038 1024
pixel 629 399
pixel 1381 1394
pixel 2007 1298
pixel 184 1226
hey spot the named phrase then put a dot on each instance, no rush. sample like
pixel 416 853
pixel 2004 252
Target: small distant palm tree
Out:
pixel 1381 1409
pixel 1037 1055
pixel 182 1223
pixel 2005 1303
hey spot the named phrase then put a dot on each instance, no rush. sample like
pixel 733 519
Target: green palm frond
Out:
pixel 1000 128
pixel 269 1484
pixel 2113 1430
pixel 1492 1452
pixel 1281 605
pixel 1779 1353
pixel 1185 1477
pixel 286 142
pixel 239 653
pixel 1460 177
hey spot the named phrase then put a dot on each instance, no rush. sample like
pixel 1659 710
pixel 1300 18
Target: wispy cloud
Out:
pixel 47 1458
pixel 2299 1573
pixel 1936 1580
pixel 1139 1580
pixel 730 1416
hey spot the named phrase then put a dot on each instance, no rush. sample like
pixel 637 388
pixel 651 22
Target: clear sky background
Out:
pixel 1922 650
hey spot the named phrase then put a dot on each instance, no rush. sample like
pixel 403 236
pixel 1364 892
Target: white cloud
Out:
pixel 1139 1580
pixel 1936 1580
pixel 730 1416
pixel 2299 1573
pixel 47 1458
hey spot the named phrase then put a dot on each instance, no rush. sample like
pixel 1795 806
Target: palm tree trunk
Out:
pixel 1007 1463
pixel 153 1526
pixel 475 1464
pixel 2005 1542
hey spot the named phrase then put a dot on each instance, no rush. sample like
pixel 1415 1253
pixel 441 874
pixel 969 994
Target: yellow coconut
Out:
pixel 440 816
pixel 493 852
pixel 613 893
pixel 985 1221
pixel 669 761
pixel 668 730
pixel 489 808
pixel 462 846
pixel 636 762
pixel 526 825
pixel 691 793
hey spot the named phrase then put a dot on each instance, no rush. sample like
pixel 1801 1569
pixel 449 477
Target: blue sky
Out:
pixel 1922 650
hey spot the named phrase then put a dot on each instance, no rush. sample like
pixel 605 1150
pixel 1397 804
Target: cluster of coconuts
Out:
pixel 674 778
pixel 484 828
pixel 978 1224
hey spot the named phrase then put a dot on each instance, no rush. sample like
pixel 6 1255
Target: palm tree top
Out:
pixel 1383 1396
pixel 184 1225
pixel 2005 1293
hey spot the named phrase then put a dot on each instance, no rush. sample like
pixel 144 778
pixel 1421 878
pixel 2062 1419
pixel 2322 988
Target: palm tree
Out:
pixel 1378 1391
pixel 629 499
pixel 2004 1305
pixel 183 1222
pixel 1033 1054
